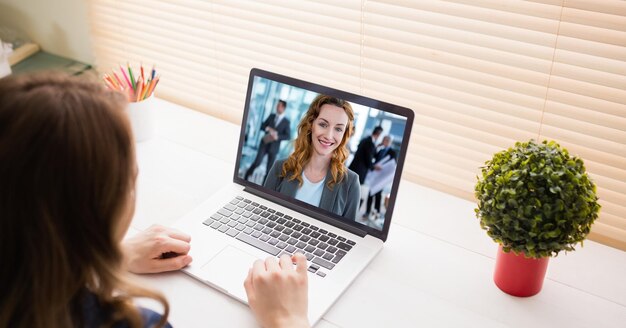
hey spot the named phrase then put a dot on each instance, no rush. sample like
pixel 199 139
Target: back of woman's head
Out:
pixel 66 170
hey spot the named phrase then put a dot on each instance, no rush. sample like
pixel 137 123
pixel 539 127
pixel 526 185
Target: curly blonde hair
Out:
pixel 294 165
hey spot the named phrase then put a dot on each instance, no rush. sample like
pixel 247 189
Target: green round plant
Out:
pixel 536 199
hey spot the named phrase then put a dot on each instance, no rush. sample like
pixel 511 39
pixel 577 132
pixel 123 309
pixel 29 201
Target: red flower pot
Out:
pixel 519 275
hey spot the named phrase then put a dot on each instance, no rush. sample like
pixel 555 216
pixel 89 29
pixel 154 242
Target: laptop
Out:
pixel 246 220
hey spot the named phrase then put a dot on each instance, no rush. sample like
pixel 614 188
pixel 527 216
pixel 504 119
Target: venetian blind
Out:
pixel 479 74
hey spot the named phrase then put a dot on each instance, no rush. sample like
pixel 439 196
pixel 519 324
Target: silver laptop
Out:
pixel 246 221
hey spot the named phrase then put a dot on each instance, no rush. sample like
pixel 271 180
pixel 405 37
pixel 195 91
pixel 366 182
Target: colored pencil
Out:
pixel 117 78
pixel 141 65
pixel 132 78
pixel 139 89
pixel 153 72
pixel 126 77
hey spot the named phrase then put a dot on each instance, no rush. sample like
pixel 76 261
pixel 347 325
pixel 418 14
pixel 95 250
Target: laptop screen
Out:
pixel 323 149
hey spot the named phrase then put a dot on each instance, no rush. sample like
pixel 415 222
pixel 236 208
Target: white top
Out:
pixel 310 192
pixel 435 270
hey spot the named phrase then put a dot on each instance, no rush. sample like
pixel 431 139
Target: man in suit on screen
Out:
pixel 277 128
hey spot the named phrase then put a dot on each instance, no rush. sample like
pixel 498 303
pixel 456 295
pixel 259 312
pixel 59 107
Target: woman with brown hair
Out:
pixel 315 172
pixel 67 196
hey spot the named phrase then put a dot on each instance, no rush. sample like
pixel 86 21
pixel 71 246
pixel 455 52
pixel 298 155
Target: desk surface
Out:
pixel 435 269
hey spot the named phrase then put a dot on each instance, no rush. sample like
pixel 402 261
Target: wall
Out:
pixel 60 27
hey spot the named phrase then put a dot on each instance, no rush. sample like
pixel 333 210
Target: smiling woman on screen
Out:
pixel 315 172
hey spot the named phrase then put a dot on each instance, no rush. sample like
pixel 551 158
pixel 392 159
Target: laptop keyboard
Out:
pixel 278 234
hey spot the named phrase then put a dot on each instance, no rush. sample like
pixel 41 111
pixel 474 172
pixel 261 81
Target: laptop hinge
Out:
pixel 308 212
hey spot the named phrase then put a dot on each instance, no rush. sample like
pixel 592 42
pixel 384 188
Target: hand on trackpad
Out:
pixel 227 271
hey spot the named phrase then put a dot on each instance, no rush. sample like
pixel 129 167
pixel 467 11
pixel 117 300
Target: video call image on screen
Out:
pixel 369 159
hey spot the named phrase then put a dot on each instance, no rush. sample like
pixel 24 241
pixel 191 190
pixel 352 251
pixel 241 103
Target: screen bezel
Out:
pixel 314 211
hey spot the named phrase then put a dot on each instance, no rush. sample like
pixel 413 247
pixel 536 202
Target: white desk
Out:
pixel 434 271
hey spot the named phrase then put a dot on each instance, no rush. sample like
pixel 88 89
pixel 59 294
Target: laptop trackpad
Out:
pixel 227 271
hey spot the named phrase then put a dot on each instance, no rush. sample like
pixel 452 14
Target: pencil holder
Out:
pixel 141 115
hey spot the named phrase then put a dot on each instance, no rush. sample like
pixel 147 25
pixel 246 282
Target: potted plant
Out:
pixel 535 200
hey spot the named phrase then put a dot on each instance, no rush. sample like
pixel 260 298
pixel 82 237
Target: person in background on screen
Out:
pixel 277 128
pixel 384 153
pixel 363 160
pixel 315 172
pixel 68 172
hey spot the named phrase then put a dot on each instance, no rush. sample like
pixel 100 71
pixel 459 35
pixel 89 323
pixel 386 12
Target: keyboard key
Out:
pixel 301 245
pixel 247 200
pixel 305 238
pixel 265 214
pixel 331 249
pixel 271 210
pixel 258 244
pixel 232 232
pixel 279 214
pixel 230 207
pixel 281 221
pixel 275 234
pixel 272 217
pixel 333 241
pixel 279 228
pixel 247 215
pixel 313 242
pixel 297 227
pixel 323 232
pixel 232 224
pixel 247 231
pixel 296 220
pixel 314 228
pixel 328 256
pixel 224 212
pixel 271 224
pixel 340 253
pixel 255 204
pixel 223 228
pixel 287 231
pixel 306 231
pixel 323 263
pixel 273 241
pixel 321 274
pixel 322 245
pixel 224 220
pixel 240 227
pixel 263 207
pixel 312 269
pixel 281 245
pixel 344 246
pixel 215 225
pixel 257 211
pixel 264 238
pixel 234 201
pixel 289 224
pixel 292 241
pixel 256 234
pixel 330 234
pixel 324 238
pixel 249 208
pixel 309 256
pixel 309 249
pixel 296 234
pixel 250 223
pixel 337 258
pixel 350 242
pixel 242 220
pixel 267 230
pixel 238 198
pixel 255 218
pixel 241 205
pixel 318 252
pixel 288 217
pixel 314 234
pixel 290 249
pixel 263 221
pixel 208 222
pixel 239 211
pixel 341 238
pixel 283 237
pixel 304 224
pixel 216 216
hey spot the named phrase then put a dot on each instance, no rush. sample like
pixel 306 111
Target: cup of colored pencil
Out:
pixel 136 85
pixel 139 88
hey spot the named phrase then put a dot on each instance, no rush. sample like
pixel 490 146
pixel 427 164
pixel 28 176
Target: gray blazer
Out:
pixel 342 200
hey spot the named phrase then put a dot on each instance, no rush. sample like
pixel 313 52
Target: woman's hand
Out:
pixel 278 293
pixel 157 249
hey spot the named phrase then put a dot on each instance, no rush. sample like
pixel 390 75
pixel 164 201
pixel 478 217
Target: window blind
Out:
pixel 479 74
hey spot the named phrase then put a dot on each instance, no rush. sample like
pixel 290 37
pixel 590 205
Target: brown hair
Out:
pixel 67 168
pixel 304 147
